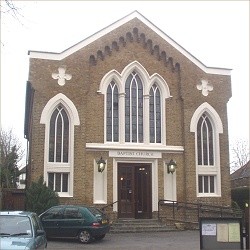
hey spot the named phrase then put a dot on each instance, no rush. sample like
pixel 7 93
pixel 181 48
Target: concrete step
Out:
pixel 139 225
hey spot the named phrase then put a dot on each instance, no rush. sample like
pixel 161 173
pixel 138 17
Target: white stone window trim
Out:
pixel 148 81
pixel 218 129
pixel 58 167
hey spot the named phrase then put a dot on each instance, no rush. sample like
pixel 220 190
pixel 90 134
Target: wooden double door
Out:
pixel 134 191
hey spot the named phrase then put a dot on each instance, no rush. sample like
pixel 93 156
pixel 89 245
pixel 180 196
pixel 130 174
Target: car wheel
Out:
pixel 100 237
pixel 84 236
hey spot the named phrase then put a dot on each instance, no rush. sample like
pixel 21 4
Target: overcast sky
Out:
pixel 216 33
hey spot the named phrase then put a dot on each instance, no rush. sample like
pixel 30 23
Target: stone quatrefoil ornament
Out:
pixel 61 76
pixel 204 86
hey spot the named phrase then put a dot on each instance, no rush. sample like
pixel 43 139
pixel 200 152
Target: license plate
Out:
pixel 104 221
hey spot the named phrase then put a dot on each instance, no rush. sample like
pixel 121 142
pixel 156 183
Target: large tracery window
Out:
pixel 134 105
pixel 59 136
pixel 134 109
pixel 112 113
pixel 205 147
pixel 155 114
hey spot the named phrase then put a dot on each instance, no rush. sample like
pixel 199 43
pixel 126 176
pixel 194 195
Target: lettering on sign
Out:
pixel 135 154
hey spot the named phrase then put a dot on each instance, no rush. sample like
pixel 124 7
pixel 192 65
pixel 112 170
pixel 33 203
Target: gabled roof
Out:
pixel 243 172
pixel 135 14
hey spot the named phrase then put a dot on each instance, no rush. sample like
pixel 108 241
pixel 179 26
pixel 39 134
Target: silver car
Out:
pixel 21 230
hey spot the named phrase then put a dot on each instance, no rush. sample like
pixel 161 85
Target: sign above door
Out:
pixel 134 154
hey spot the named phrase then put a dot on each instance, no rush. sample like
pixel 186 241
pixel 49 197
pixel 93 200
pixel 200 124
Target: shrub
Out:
pixel 39 197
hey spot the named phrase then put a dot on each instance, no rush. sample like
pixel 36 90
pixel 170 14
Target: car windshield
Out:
pixel 15 226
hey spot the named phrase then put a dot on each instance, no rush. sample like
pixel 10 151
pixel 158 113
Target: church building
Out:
pixel 129 117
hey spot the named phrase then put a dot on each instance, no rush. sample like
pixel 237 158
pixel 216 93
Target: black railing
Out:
pixel 109 205
pixel 182 210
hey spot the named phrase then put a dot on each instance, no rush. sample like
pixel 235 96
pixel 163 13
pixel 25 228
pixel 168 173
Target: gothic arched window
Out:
pixel 155 114
pixel 112 113
pixel 59 136
pixel 205 141
pixel 134 109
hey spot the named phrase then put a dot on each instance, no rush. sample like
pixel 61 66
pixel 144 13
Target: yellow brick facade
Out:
pixel 132 41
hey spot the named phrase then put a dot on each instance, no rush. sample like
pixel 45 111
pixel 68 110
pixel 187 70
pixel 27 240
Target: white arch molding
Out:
pixel 120 79
pixel 68 104
pixel 206 107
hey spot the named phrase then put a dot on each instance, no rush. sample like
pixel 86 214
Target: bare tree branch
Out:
pixel 240 154
pixel 8 7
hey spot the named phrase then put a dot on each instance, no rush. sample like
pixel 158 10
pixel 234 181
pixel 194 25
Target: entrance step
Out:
pixel 139 225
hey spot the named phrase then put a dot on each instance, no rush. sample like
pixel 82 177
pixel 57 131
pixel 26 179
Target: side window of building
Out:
pixel 208 172
pixel 60 117
pixel 205 141
pixel 58 181
pixel 59 136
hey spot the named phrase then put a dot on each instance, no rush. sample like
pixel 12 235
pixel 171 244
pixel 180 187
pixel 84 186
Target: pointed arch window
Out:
pixel 134 104
pixel 155 114
pixel 112 113
pixel 134 109
pixel 207 125
pixel 59 136
pixel 205 141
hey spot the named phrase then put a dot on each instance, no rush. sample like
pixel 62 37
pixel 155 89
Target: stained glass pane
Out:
pixel 52 136
pixel 58 182
pixel 205 143
pixel 65 183
pixel 109 114
pixel 200 184
pixel 212 184
pixel 205 178
pixel 211 150
pixel 65 136
pixel 115 115
pixel 51 181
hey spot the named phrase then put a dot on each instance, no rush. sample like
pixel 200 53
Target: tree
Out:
pixel 240 154
pixel 11 153
pixel 39 197
pixel 8 7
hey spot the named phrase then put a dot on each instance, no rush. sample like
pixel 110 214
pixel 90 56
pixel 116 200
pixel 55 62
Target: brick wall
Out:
pixel 82 90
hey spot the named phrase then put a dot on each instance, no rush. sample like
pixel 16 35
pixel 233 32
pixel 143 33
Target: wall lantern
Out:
pixel 171 166
pixel 101 165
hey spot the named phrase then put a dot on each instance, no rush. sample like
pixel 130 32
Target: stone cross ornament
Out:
pixel 61 76
pixel 204 86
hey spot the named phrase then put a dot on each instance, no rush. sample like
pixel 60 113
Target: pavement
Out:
pixel 173 240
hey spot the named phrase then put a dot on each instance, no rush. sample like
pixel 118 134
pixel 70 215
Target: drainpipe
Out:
pixel 183 135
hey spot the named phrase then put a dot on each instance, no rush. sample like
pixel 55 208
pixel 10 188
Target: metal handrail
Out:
pixel 109 205
pixel 201 207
